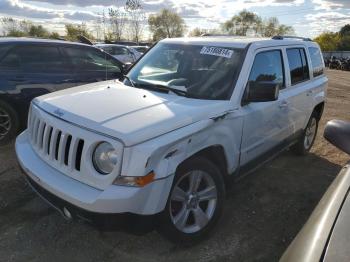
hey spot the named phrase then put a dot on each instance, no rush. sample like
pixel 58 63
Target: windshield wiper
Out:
pixel 166 88
pixel 129 79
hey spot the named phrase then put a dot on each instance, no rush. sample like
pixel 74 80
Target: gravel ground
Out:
pixel 264 210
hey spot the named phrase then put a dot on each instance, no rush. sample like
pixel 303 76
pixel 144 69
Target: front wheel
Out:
pixel 307 140
pixel 9 123
pixel 195 202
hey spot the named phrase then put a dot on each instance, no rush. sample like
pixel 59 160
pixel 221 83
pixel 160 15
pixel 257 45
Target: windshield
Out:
pixel 203 72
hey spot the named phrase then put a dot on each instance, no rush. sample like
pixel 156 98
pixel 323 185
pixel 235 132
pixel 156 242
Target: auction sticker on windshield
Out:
pixel 217 51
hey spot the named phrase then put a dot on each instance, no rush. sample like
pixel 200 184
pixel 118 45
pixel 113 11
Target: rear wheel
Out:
pixel 307 140
pixel 9 123
pixel 195 202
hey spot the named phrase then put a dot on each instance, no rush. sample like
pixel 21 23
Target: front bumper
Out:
pixel 147 200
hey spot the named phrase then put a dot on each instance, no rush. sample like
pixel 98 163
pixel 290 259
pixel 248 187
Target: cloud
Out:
pixel 330 21
pixel 331 4
pixel 80 3
pixel 80 16
pixel 14 8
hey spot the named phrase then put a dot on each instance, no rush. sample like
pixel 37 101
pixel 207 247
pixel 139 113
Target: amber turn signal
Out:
pixel 136 181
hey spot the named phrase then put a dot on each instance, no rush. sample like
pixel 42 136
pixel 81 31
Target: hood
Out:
pixel 129 114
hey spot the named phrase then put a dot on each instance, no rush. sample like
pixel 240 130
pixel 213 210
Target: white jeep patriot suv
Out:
pixel 191 113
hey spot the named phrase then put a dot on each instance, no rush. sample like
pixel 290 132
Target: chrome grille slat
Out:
pixel 46 138
pixel 36 131
pixel 40 134
pixel 33 129
pixel 62 148
pixel 73 153
pixel 53 144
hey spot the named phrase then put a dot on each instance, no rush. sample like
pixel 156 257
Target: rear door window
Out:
pixel 316 61
pixel 299 69
pixel 268 67
pixel 35 59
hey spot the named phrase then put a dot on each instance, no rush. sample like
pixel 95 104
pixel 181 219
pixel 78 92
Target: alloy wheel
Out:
pixel 5 123
pixel 193 201
pixel 310 133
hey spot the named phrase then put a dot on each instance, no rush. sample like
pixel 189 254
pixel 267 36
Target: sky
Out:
pixel 308 17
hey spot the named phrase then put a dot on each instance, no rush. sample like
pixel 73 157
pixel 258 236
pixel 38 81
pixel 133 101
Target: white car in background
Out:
pixel 122 53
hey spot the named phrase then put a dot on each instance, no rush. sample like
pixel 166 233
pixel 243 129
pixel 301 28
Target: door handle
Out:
pixel 283 104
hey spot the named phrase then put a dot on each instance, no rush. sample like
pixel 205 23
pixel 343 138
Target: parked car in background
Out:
pixel 122 53
pixel 190 114
pixel 139 48
pixel 33 67
pixel 326 235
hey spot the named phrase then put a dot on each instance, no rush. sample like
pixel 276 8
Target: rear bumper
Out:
pixel 53 185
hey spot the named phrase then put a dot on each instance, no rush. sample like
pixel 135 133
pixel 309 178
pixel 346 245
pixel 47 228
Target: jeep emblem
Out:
pixel 58 112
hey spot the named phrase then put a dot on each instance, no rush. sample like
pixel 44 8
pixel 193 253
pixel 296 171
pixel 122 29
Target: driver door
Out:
pixel 265 123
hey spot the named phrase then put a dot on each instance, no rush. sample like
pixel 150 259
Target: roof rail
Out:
pixel 282 37
pixel 209 34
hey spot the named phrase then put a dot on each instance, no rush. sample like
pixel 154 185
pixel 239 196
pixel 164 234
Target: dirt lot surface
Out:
pixel 264 210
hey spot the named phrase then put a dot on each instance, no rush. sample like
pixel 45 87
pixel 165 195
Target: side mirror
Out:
pixel 337 132
pixel 261 92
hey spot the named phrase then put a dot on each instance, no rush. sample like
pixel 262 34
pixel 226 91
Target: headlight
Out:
pixel 105 158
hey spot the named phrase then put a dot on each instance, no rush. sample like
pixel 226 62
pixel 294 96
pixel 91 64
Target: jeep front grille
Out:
pixel 55 144
pixel 68 148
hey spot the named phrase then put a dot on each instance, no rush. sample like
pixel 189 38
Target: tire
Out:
pixel 9 123
pixel 202 216
pixel 306 141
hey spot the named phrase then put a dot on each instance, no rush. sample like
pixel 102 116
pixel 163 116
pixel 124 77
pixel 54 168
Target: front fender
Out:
pixel 163 154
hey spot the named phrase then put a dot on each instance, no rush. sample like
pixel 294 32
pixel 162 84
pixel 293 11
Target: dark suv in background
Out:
pixel 33 67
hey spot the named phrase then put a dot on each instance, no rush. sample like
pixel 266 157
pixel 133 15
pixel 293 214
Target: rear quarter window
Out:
pixel 316 61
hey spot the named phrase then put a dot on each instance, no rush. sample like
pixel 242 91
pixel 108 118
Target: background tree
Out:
pixel 344 43
pixel 242 24
pixel 328 41
pixel 166 24
pixel 201 31
pixel 136 18
pixel 344 31
pixel 38 31
pixel 117 20
pixel 14 27
pixel 54 35
pixel 249 23
pixel 73 31
pixel 21 28
pixel 272 27
pixel 196 32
